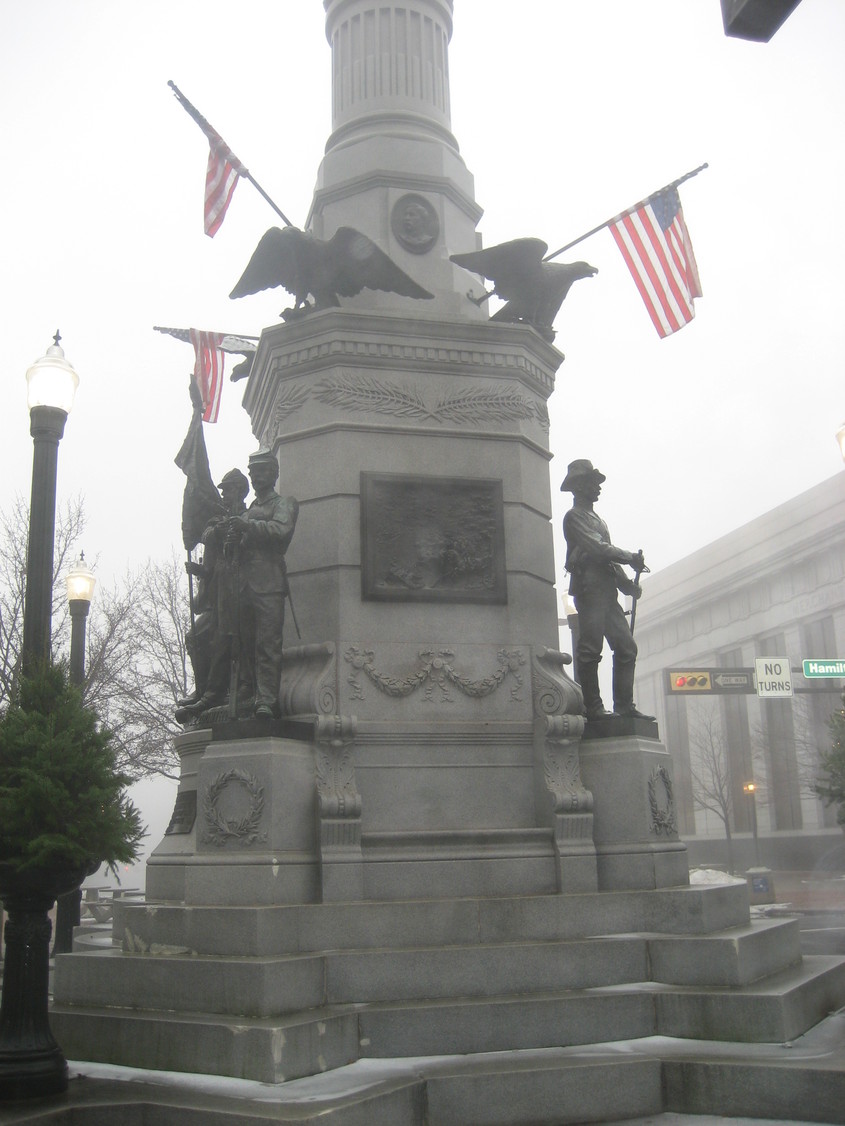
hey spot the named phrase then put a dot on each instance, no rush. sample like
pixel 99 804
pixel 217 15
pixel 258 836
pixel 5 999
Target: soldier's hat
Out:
pixel 578 471
pixel 262 456
pixel 235 477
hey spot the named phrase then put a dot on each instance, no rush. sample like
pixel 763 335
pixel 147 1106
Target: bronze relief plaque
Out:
pixel 414 223
pixel 432 539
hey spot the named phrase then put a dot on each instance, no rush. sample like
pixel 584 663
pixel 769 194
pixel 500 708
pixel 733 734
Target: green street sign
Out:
pixel 820 668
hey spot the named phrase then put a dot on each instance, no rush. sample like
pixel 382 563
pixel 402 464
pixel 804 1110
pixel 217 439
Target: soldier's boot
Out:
pixel 588 678
pixel 623 692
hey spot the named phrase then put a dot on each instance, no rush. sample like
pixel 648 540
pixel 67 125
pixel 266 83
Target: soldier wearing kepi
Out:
pixel 596 577
pixel 263 533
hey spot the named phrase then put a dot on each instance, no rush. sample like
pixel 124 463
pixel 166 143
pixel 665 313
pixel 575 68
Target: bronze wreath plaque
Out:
pixel 432 539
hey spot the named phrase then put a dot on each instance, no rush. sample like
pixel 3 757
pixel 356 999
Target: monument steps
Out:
pixel 267 986
pixel 180 1012
pixel 296 928
pixel 802 1081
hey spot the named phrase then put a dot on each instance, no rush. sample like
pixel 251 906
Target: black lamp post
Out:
pixel 750 788
pixel 80 590
pixel 50 388
pixel 31 1062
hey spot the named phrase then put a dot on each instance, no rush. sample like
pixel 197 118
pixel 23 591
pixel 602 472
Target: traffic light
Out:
pixel 691 681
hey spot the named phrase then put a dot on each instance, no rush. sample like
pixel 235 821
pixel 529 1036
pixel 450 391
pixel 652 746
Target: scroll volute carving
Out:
pixel 559 719
pixel 309 673
pixel 556 693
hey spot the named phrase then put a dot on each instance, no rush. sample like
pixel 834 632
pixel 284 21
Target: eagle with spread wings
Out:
pixel 533 290
pixel 326 269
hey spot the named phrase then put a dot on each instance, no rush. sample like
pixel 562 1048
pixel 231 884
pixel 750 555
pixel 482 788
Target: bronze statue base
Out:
pixel 617 726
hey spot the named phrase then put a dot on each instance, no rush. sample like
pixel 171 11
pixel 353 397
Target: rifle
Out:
pixel 639 569
pixel 231 553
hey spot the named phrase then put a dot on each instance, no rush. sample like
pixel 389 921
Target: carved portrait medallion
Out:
pixel 414 223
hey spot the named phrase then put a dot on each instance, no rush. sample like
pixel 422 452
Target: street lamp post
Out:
pixel 31 1062
pixel 80 590
pixel 51 385
pixel 750 788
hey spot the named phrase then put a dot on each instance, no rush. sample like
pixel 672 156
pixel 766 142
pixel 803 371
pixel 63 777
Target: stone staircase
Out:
pixel 317 987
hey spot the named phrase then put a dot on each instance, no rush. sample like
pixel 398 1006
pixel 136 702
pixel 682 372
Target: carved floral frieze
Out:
pixel 435 671
pixel 376 394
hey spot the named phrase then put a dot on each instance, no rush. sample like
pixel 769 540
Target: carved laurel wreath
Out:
pixel 435 670
pixel 245 829
pixel 662 819
pixel 473 405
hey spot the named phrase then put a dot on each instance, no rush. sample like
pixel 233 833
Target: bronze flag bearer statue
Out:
pixel 596 575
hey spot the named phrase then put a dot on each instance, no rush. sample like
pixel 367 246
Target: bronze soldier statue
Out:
pixel 262 535
pixel 216 586
pixel 596 575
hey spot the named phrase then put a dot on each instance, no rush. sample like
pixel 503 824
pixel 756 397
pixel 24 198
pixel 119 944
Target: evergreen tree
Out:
pixel 62 798
pixel 831 787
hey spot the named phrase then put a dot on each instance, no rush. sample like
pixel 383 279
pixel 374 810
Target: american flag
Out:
pixel 208 370
pixel 655 243
pixel 222 174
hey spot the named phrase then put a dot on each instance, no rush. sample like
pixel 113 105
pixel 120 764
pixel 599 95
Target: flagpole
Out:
pixel 628 211
pixel 184 334
pixel 210 132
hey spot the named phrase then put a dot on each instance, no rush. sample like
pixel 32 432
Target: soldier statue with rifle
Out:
pixel 596 577
pixel 256 542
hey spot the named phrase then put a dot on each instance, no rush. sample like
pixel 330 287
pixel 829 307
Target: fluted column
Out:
pixel 389 66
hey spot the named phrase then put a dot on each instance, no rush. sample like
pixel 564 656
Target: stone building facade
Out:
pixel 775 587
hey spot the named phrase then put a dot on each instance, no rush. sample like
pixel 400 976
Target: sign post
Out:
pixel 774 677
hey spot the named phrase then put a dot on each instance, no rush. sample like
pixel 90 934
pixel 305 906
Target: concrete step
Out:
pixel 299 928
pixel 654 1079
pixel 267 1050
pixel 268 986
pixel 274 1049
pixel 775 1010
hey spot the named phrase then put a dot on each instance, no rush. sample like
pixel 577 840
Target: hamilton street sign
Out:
pixel 820 668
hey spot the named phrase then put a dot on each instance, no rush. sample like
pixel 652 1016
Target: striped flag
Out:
pixel 221 177
pixel 655 243
pixel 208 370
pixel 201 499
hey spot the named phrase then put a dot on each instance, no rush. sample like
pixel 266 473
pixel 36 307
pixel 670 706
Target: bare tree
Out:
pixel 807 743
pixel 138 665
pixel 136 662
pixel 710 770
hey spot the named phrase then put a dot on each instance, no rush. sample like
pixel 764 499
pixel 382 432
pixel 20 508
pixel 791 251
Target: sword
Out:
pixel 292 611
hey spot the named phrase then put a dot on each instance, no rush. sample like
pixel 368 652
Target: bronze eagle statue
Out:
pixel 326 269
pixel 533 290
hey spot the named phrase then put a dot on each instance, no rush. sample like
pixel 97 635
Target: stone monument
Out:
pixel 407 861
